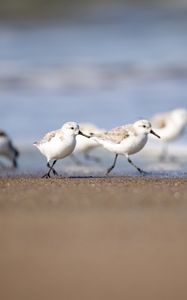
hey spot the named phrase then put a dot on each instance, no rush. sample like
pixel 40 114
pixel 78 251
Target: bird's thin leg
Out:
pixel 87 156
pixel 54 171
pixel 113 165
pixel 137 168
pixel 47 175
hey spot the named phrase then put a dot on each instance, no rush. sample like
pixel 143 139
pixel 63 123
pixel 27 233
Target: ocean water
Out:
pixel 108 70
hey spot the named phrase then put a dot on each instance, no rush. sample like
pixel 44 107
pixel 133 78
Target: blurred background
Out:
pixel 106 62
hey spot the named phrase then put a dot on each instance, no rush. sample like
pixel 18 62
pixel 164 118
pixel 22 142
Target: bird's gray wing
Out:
pixel 116 135
pixel 48 137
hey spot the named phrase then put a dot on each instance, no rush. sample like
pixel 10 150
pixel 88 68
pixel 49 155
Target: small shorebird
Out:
pixel 126 140
pixel 170 126
pixel 85 145
pixel 7 148
pixel 58 144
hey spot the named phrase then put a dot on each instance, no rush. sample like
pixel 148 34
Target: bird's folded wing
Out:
pixel 116 135
pixel 49 136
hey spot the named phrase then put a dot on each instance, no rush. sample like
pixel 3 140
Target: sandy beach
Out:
pixel 93 238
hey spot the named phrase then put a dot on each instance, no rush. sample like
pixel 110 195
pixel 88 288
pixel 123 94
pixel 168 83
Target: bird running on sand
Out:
pixel 126 140
pixel 170 126
pixel 7 149
pixel 58 144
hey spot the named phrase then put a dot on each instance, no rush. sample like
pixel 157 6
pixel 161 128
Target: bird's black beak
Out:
pixel 81 133
pixel 154 133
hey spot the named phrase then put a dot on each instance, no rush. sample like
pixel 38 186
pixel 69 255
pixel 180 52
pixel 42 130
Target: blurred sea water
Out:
pixel 108 71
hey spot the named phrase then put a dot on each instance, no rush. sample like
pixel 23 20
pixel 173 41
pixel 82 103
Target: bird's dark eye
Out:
pixel 144 126
pixel 72 128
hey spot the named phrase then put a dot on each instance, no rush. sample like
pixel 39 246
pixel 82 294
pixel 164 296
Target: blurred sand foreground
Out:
pixel 113 238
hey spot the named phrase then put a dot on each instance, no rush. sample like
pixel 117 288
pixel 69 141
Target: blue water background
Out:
pixel 108 70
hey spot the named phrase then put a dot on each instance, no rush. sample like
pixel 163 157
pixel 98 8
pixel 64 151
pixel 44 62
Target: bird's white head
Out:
pixel 144 127
pixel 72 128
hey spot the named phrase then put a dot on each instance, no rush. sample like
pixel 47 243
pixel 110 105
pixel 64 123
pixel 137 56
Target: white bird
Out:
pixel 7 149
pixel 126 140
pixel 170 126
pixel 58 144
pixel 85 145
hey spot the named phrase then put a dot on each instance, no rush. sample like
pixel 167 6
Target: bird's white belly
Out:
pixel 130 145
pixel 136 144
pixel 58 149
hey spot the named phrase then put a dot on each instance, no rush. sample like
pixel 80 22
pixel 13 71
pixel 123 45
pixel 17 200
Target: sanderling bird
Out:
pixel 7 149
pixel 126 140
pixel 85 145
pixel 170 126
pixel 58 144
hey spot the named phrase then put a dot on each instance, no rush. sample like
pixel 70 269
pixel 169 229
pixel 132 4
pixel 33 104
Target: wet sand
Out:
pixel 93 238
